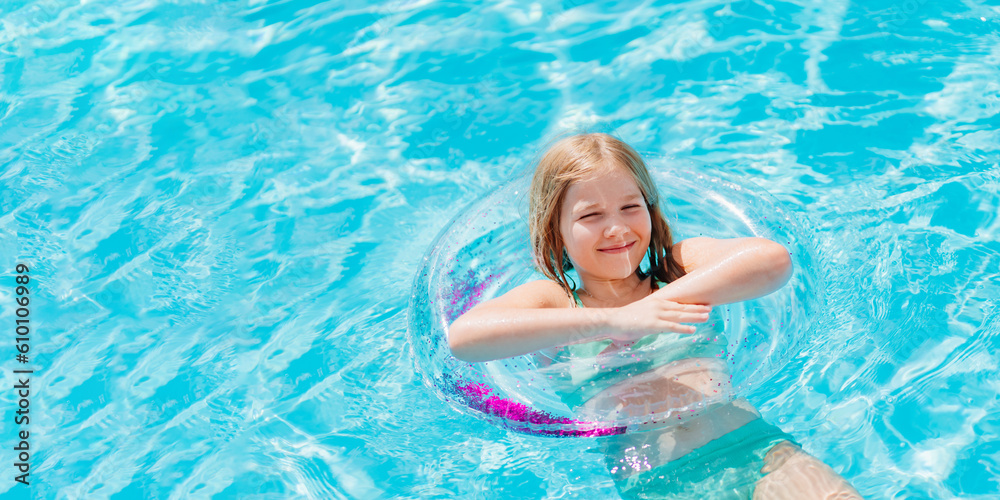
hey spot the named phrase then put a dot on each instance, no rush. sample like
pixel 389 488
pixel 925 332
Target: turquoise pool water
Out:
pixel 223 205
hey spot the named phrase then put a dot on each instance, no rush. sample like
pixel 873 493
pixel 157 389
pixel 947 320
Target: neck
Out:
pixel 615 293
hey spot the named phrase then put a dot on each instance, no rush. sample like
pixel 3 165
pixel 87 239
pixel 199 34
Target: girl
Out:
pixel 594 208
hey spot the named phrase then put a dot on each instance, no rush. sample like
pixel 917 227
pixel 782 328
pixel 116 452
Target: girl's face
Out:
pixel 605 225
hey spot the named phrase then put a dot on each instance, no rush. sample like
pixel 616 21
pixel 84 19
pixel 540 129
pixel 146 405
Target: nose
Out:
pixel 616 227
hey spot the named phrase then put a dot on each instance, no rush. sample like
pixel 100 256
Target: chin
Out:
pixel 622 272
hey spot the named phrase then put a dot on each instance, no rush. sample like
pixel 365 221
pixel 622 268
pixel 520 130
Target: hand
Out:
pixel 652 315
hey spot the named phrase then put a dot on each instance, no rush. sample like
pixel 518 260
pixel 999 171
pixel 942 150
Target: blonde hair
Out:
pixel 580 157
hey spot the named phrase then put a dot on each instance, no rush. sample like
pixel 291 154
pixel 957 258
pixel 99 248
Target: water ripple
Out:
pixel 223 204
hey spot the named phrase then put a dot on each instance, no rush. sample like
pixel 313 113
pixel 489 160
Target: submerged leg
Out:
pixel 656 460
pixel 721 450
pixel 795 475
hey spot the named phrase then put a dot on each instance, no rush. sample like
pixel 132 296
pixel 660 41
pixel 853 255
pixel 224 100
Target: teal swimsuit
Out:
pixel 724 468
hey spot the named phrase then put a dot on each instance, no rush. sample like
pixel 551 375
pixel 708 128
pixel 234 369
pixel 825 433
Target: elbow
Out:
pixel 778 263
pixel 458 342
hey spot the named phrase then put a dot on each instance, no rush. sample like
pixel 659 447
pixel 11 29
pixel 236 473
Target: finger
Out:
pixel 692 317
pixel 698 308
pixel 683 317
pixel 679 328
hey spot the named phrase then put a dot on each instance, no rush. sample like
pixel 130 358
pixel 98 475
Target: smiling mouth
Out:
pixel 621 249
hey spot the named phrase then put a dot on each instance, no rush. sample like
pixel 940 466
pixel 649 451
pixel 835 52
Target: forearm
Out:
pixel 503 333
pixel 751 270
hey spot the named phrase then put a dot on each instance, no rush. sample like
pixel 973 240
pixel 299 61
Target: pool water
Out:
pixel 223 205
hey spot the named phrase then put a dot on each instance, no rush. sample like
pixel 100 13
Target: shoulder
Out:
pixel 538 294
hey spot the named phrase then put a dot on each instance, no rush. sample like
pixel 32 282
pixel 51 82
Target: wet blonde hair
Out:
pixel 577 158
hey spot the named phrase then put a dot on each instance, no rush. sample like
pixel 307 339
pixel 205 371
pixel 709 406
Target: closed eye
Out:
pixel 628 207
pixel 590 215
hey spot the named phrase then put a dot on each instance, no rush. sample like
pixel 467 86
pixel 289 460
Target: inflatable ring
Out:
pixel 484 252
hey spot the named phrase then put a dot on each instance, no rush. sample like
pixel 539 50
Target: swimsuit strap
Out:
pixel 576 297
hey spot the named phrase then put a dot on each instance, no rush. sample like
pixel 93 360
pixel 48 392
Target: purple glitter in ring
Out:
pixel 513 414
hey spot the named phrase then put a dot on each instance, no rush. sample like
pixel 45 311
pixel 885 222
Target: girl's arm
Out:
pixel 528 318
pixel 538 315
pixel 727 270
